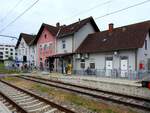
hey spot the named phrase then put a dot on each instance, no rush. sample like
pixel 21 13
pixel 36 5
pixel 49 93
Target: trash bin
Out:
pixel 145 84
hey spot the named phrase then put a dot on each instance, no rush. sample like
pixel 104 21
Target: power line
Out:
pixel 141 3
pixel 10 11
pixel 19 15
pixel 92 8
pixel 9 36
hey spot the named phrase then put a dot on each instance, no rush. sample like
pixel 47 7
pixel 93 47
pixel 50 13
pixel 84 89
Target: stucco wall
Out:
pixel 142 54
pixel 33 55
pixel 82 34
pixel 73 41
pixel 49 40
pixel 68 41
pixel 99 60
pixel 22 51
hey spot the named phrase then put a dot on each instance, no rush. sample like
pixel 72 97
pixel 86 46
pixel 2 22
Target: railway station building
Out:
pixel 115 52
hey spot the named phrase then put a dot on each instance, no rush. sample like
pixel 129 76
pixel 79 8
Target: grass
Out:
pixel 11 79
pixel 90 104
pixel 63 96
pixel 6 71
pixel 41 88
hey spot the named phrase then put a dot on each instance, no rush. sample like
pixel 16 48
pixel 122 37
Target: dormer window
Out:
pixel 145 44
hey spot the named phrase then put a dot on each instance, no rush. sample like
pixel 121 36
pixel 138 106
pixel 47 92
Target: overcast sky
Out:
pixel 66 12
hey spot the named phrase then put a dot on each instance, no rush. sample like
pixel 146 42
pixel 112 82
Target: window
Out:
pixel 11 49
pixel 33 50
pixel 82 65
pixel 45 46
pixel 26 51
pixel 16 54
pixel 1 53
pixel 1 48
pixel 6 52
pixel 40 48
pixel 19 51
pixel 50 46
pixel 45 36
pixel 6 55
pixel 11 53
pixel 63 44
pixel 6 48
pixel 22 51
pixel 145 44
pixel 92 65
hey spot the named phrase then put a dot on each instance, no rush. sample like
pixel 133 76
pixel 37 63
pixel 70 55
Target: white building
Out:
pixel 26 52
pixel 7 52
pixel 117 51
pixel 69 37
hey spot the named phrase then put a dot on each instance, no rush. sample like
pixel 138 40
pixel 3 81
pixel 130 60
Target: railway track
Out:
pixel 23 101
pixel 11 105
pixel 137 102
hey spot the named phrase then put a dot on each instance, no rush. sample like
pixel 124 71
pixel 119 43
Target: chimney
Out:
pixel 57 24
pixel 79 20
pixel 111 27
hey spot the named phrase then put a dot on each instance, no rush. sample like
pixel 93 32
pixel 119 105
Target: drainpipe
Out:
pixel 136 59
pixel 56 45
pixel 73 44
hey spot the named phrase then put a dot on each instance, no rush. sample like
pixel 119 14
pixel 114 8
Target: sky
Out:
pixel 66 12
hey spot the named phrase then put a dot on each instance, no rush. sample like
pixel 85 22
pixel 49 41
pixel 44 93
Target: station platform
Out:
pixel 123 86
pixel 4 109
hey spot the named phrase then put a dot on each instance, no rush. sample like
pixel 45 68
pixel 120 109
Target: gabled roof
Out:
pixel 66 30
pixel 122 38
pixel 27 38
pixel 72 28
pixel 52 29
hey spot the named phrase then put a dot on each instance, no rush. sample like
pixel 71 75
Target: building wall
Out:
pixel 33 55
pixel 82 34
pixel 72 42
pixel 143 55
pixel 7 51
pixel 100 58
pixel 45 46
pixel 23 50
pixel 68 45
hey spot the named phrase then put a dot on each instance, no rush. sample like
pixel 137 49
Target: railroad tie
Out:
pixel 52 110
pixel 30 106
pixel 24 100
pixel 28 102
pixel 38 109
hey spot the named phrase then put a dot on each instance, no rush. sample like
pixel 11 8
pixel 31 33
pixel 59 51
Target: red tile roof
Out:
pixel 72 28
pixel 52 29
pixel 66 30
pixel 122 38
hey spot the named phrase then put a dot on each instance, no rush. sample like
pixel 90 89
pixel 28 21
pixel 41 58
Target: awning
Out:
pixel 61 55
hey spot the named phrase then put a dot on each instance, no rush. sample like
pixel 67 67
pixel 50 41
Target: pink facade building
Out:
pixel 46 43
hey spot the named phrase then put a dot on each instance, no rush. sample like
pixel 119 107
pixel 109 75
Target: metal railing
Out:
pixel 115 74
pixel 121 74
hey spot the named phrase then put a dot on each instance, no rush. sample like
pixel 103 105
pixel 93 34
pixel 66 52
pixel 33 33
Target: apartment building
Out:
pixel 7 52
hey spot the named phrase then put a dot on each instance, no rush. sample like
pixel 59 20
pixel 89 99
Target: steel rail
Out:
pixel 14 104
pixel 42 81
pixel 59 107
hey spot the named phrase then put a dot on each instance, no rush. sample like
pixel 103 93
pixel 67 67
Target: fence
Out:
pixel 122 74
